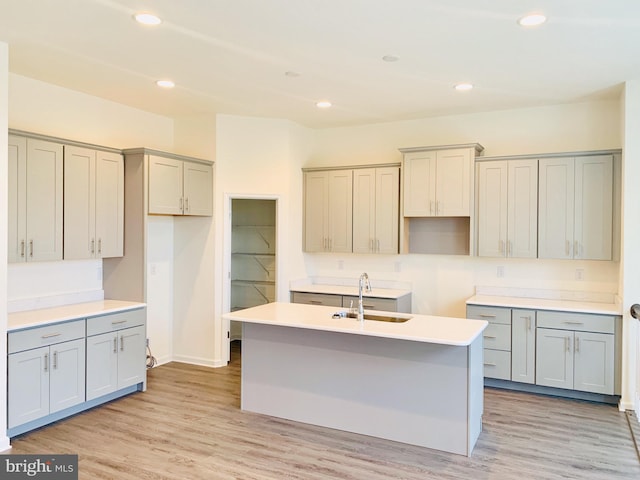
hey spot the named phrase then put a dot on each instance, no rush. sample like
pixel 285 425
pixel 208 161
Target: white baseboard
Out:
pixel 203 362
pixel 5 445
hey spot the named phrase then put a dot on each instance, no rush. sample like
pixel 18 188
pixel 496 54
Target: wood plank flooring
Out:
pixel 188 425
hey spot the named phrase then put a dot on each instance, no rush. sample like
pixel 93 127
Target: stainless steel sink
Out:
pixel 371 316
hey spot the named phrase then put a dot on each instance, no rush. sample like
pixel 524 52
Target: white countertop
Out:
pixel 349 290
pixel 547 304
pixel 419 328
pixel 35 318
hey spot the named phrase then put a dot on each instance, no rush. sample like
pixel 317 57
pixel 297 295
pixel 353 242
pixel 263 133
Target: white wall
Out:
pixel 630 273
pixel 4 96
pixel 259 157
pixel 442 283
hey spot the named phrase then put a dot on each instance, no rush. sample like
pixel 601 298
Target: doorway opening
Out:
pixel 253 256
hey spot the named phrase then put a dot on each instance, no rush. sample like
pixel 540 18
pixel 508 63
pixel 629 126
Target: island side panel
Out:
pixel 476 391
pixel 412 392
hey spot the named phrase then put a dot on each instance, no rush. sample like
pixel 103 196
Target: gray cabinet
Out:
pixel 497 339
pixel 46 371
pixel 576 351
pixel 523 346
pixel 116 350
pixel 401 304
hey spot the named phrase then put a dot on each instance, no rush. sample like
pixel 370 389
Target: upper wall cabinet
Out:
pixel 328 211
pixel 376 209
pixel 438 182
pixel 352 210
pixel 35 200
pixel 93 203
pixel 438 192
pixel 507 208
pixel 180 187
pixel 576 207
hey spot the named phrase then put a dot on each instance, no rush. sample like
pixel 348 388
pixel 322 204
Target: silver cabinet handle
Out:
pixel 576 347
pixel 118 322
pixel 51 335
pixel 567 248
pixel 574 323
pixel 22 248
pixel 31 248
pixel 186 204
pixel 567 343
pixel 576 249
pixel 490 365
pixel 509 249
pixel 93 246
pixel 528 322
pixel 122 343
pixel 181 205
pixel 370 307
pixel 55 360
pixel 315 302
pixel 99 246
pixel 46 362
pixel 489 336
pixel 115 344
pixel 488 315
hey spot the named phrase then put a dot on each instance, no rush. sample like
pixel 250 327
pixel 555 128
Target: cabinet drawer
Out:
pixel 490 314
pixel 115 321
pixel 45 335
pixel 581 322
pixel 497 364
pixel 497 336
pixel 371 303
pixel 317 299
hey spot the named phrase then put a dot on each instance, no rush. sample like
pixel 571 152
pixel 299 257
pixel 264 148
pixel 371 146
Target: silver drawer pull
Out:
pixel 489 336
pixel 55 359
pixel 51 335
pixel 574 323
pixel 315 302
pixel 117 322
pixel 46 362
pixel 370 307
pixel 487 315
pixel 115 344
pixel 490 365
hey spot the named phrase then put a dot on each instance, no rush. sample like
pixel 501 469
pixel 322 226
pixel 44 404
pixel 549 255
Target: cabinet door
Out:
pixel 523 345
pixel 554 358
pixel 28 386
pixel 556 208
pixel 131 356
pixel 593 207
pixel 79 203
pixel 17 200
pixel 165 186
pixel 522 211
pixel 453 183
pixel 109 201
pixel 387 210
pixel 316 211
pixel 67 375
pixel 44 200
pixel 594 362
pixel 198 189
pixel 492 209
pixel 419 184
pixel 364 210
pixel 341 210
pixel 102 364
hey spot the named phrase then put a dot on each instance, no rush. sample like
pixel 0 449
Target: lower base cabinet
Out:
pixel 45 380
pixel 63 368
pixel 567 350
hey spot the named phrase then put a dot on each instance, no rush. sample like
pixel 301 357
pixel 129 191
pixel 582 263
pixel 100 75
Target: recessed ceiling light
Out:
pixel 463 87
pixel 532 20
pixel 165 83
pixel 323 104
pixel 391 58
pixel 147 19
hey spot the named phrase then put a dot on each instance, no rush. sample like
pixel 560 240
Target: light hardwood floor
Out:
pixel 188 425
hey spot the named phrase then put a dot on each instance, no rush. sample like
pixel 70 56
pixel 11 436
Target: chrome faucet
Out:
pixel 362 283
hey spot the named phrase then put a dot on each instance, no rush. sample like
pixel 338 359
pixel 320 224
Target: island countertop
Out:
pixel 419 328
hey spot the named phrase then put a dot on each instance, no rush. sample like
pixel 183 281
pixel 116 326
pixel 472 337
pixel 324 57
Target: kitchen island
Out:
pixel 419 381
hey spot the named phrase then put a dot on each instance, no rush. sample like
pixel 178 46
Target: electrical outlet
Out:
pixel 579 273
pixel 500 271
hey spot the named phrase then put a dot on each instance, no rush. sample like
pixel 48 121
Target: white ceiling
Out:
pixel 230 56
